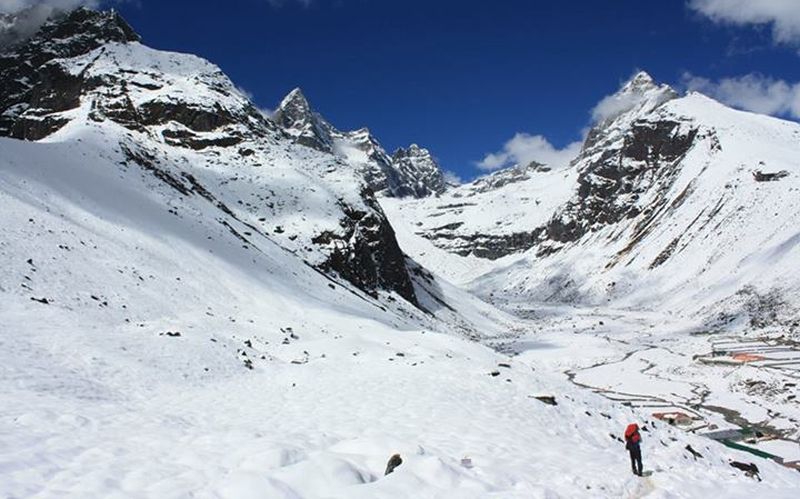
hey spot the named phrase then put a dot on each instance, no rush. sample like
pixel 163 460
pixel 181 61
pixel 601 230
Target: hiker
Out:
pixel 632 443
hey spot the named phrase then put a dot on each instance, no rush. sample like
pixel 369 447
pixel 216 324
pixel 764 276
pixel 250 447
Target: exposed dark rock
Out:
pixel 609 187
pixel 188 139
pixel 197 119
pixel 393 463
pixel 546 399
pixel 487 246
pixel 693 452
pixel 366 252
pixel 750 469
pixel 760 176
pixel 302 123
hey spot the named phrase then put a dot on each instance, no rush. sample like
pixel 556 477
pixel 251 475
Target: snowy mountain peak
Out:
pixel 297 118
pixel 635 99
pixel 642 79
pixel 422 174
pixel 412 151
pixel 295 101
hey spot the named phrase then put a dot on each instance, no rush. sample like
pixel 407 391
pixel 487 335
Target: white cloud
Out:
pixel 452 177
pixel 31 14
pixel 752 92
pixel 613 105
pixel 248 94
pixel 524 148
pixel 13 6
pixel 782 15
pixel 265 111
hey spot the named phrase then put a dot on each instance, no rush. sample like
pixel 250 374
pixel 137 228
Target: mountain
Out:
pixel 674 201
pixel 408 172
pixel 495 216
pixel 180 120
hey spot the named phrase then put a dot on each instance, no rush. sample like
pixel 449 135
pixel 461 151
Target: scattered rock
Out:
pixel 760 176
pixel 393 463
pixel 547 399
pixel 750 469
pixel 693 452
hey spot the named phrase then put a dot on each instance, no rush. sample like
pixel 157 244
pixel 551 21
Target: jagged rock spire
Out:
pixel 296 116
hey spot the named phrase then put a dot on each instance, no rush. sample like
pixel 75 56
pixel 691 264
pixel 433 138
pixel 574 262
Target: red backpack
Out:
pixel 632 433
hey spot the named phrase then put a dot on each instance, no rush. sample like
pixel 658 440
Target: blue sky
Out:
pixel 462 77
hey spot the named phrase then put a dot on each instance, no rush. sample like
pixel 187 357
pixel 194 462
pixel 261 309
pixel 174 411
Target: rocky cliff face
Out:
pixel 181 120
pixel 631 152
pixel 410 172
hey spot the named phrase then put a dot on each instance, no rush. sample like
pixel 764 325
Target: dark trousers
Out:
pixel 636 459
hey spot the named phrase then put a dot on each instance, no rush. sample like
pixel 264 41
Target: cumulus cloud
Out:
pixel 782 15
pixel 524 148
pixel 27 16
pixel 248 94
pixel 14 6
pixel 613 105
pixel 752 92
pixel 452 177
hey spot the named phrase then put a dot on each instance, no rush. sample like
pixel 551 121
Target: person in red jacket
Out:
pixel 633 443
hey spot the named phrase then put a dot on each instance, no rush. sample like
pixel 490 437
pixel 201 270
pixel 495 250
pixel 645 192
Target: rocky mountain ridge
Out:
pixel 407 172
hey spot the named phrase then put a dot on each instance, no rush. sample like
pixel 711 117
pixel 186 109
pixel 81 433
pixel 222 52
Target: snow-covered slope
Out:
pixel 408 172
pixel 147 353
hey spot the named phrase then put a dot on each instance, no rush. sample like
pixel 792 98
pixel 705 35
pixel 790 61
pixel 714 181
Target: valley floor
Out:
pixel 704 382
pixel 87 411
